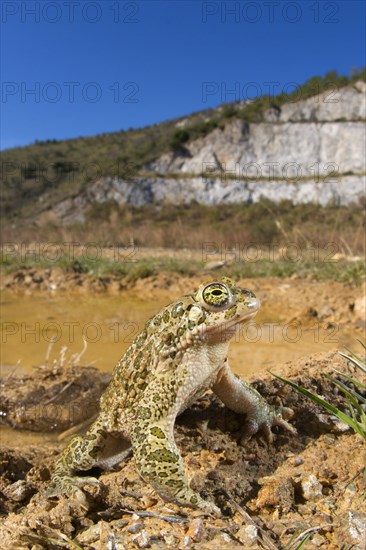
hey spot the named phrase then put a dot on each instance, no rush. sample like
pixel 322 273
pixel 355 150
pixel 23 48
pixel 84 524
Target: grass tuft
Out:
pixel 355 417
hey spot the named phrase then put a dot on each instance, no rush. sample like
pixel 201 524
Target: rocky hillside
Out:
pixel 309 150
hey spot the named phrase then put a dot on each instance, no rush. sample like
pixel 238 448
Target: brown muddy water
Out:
pixel 40 328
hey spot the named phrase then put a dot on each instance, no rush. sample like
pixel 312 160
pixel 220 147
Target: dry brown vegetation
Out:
pixel 332 228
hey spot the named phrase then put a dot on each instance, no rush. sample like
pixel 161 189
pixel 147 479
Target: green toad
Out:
pixel 181 352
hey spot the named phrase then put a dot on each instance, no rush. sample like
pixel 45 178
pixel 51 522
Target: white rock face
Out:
pixel 292 149
pixel 309 151
pixel 348 103
pixel 315 136
pixel 210 191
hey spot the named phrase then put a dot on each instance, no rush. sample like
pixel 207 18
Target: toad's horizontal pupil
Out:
pixel 217 292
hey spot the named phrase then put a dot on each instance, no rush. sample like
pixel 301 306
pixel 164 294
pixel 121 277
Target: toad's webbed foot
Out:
pixel 263 419
pixel 69 485
pixel 242 398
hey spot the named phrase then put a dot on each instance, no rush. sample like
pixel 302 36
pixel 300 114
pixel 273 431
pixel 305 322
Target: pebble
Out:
pixel 196 530
pixel 275 492
pixel 311 488
pixel 248 535
pixel 318 540
pixel 352 532
pixel 187 541
pixel 171 540
pixel 90 535
pixel 142 539
pixel 135 527
pixel 17 491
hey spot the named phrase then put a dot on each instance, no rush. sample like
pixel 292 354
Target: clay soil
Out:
pixel 269 494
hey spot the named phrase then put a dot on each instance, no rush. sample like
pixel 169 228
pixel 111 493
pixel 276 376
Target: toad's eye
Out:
pixel 216 294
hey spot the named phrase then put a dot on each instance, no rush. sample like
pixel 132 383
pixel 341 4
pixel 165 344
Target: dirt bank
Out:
pixel 292 297
pixel 268 494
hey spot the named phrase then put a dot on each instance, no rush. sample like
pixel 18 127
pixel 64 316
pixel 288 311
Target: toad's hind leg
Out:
pixel 96 448
pixel 156 455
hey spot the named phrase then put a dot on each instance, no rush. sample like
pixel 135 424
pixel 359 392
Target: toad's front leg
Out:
pixel 240 397
pixel 156 455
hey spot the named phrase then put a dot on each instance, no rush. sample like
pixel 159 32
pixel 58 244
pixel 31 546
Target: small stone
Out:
pixel 341 426
pixel 248 535
pixel 187 541
pixel 90 535
pixel 311 488
pixel 352 532
pixel 223 540
pixel 142 539
pixel 196 530
pixel 17 491
pixel 171 540
pixel 276 492
pixel 135 527
pixel 317 540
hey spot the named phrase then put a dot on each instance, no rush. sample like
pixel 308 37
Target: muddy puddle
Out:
pixel 36 328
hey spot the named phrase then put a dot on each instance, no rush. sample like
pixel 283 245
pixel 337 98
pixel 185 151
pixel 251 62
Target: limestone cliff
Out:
pixel 309 150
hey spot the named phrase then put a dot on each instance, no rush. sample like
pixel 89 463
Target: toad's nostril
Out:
pixel 248 292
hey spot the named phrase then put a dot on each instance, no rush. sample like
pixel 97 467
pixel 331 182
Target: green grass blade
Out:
pixel 350 379
pixel 304 541
pixel 361 424
pixel 363 344
pixel 355 425
pixel 346 390
pixel 355 359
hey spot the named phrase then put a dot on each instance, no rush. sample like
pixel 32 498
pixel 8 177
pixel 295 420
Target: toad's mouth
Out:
pixel 228 328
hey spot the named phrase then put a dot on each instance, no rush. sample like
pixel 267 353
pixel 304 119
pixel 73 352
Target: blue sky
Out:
pixel 76 68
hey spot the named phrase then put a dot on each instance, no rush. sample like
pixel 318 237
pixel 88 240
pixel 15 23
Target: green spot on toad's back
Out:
pixel 157 432
pixel 162 455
